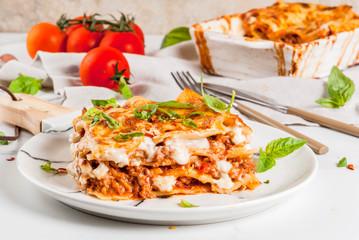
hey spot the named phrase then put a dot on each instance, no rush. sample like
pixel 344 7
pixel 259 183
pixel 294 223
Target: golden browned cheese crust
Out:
pixel 169 158
pixel 297 23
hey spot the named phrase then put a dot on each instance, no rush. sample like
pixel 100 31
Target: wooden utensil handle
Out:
pixel 29 111
pixel 324 121
pixel 316 146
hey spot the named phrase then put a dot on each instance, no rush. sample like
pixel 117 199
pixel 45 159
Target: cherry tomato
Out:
pixel 72 28
pixel 98 66
pixel 83 40
pixel 45 37
pixel 126 42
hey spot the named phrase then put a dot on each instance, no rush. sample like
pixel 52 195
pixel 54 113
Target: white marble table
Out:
pixel 326 209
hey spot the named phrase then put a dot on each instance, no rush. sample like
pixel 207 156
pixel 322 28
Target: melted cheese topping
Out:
pixel 224 166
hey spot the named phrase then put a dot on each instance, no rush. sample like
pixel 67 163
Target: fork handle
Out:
pixel 324 121
pixel 316 146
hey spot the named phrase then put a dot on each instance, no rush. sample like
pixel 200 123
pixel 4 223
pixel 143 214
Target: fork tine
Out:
pixel 184 82
pixel 194 82
pixel 190 82
pixel 179 83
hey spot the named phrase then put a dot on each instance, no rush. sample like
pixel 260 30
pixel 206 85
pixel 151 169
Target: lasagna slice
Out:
pixel 146 150
pixel 297 23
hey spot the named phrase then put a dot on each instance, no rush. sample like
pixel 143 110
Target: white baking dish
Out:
pixel 224 51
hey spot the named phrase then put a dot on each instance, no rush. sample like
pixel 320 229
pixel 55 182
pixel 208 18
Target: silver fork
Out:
pixel 185 80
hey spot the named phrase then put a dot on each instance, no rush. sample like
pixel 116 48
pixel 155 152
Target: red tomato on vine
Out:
pixel 45 37
pixel 98 68
pixel 83 40
pixel 126 42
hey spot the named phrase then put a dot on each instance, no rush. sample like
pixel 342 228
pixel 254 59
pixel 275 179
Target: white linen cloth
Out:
pixel 152 79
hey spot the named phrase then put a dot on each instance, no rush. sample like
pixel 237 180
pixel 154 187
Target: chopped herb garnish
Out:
pixel 340 89
pixel 111 122
pixel 124 88
pixel 276 149
pixel 146 111
pixel 95 120
pixel 3 142
pixel 175 104
pixel 188 122
pixel 89 115
pixel 47 168
pixel 105 103
pixel 186 204
pixel 126 136
pixel 343 162
pixel 266 182
pixel 195 113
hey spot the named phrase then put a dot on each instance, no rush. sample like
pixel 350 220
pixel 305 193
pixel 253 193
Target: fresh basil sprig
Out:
pixel 214 103
pixel 125 136
pixel 25 84
pixel 47 168
pixel 276 149
pixel 186 204
pixel 340 89
pixel 105 103
pixel 343 162
pixel 175 36
pixel 3 142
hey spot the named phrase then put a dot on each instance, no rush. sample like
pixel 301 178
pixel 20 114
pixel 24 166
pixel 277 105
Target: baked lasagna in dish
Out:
pixel 146 150
pixel 297 23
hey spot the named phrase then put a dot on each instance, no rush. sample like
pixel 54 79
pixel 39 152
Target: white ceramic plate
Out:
pixel 288 176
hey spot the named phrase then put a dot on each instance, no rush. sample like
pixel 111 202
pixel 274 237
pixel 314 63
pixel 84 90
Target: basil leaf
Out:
pixel 212 102
pixel 265 161
pixel 195 113
pixel 283 146
pixel 343 162
pixel 186 204
pixel 146 111
pixel 175 36
pixel 174 104
pixel 95 120
pixel 231 103
pixel 276 149
pixel 47 168
pixel 328 102
pixel 124 88
pixel 111 122
pixel 170 113
pixel 162 118
pixel 266 182
pixel 188 122
pixel 125 136
pixel 89 113
pixel 105 103
pixel 3 142
pixel 340 88
pixel 25 84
